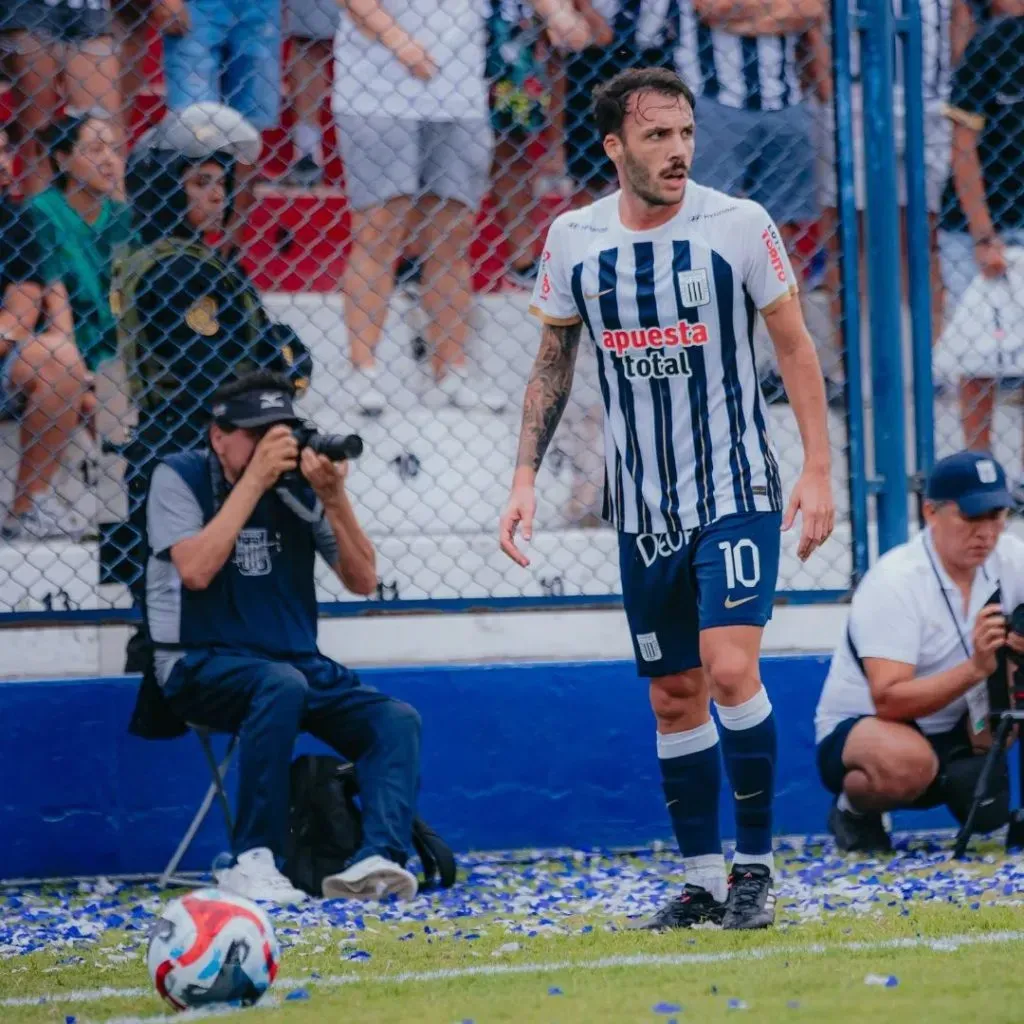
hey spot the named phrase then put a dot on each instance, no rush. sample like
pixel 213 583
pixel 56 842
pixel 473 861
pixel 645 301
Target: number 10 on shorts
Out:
pixel 742 563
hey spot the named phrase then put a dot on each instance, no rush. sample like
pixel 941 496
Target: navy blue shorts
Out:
pixel 948 746
pixel 676 584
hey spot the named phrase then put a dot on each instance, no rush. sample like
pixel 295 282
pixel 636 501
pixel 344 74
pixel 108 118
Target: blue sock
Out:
pixel 749 745
pixel 691 773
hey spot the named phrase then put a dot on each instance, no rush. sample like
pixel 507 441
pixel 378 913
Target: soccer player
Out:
pixel 667 277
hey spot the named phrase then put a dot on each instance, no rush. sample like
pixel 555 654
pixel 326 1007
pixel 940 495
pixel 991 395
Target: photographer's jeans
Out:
pixel 268 703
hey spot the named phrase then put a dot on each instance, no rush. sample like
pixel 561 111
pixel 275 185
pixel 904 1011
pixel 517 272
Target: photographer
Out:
pixel 902 718
pixel 233 533
pixel 188 317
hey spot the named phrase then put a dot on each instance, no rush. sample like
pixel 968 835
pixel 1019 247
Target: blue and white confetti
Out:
pixel 883 980
pixel 520 897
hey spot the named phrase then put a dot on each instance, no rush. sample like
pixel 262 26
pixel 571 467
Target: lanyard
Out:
pixel 945 597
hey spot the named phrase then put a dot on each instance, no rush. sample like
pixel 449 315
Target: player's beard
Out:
pixel 642 183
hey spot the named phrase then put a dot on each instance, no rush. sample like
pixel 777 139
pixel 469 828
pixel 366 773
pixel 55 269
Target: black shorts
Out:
pixel 59 23
pixel 948 746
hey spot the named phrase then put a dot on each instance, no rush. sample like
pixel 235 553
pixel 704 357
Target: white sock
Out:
pixel 746 715
pixel 708 872
pixel 307 140
pixel 767 859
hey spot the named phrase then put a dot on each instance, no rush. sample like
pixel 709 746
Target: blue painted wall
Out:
pixel 513 755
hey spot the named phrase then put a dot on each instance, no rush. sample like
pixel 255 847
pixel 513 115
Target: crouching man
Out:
pixel 901 722
pixel 233 616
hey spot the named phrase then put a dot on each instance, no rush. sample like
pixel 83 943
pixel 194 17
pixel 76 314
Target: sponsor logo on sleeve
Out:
pixel 773 244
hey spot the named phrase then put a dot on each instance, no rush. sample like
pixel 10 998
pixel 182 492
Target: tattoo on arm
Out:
pixel 547 391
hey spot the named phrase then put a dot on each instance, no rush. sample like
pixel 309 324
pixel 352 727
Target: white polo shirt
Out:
pixel 900 612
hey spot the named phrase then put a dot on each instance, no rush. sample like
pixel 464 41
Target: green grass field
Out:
pixel 546 939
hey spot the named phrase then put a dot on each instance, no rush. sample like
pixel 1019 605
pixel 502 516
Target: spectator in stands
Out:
pixel 310 26
pixel 43 382
pixel 189 319
pixel 132 20
pixel 936 33
pixel 740 57
pixel 624 34
pixel 62 49
pixel 520 68
pixel 231 54
pixel 80 228
pixel 986 218
pixel 967 17
pixel 232 608
pixel 410 100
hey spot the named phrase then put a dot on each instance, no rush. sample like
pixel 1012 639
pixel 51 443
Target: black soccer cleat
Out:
pixel 858 833
pixel 695 905
pixel 751 902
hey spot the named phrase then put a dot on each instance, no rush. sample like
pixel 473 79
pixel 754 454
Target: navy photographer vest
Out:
pixel 264 598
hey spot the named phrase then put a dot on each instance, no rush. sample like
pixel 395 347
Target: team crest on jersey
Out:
pixel 694 288
pixel 253 551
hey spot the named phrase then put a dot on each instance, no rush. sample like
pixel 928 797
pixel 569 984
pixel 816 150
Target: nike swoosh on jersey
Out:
pixel 748 796
pixel 597 295
pixel 731 603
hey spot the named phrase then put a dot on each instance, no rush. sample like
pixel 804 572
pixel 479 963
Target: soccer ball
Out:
pixel 212 947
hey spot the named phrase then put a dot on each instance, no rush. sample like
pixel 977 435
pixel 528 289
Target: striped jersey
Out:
pixel 745 72
pixel 671 312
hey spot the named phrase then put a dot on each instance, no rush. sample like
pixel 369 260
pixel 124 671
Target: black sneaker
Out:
pixel 695 905
pixel 858 833
pixel 751 902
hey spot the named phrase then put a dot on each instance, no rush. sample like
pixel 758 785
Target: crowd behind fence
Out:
pixel 413 154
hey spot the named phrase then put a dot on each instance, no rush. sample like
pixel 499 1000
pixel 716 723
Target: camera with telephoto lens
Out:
pixel 337 447
pixel 1006 684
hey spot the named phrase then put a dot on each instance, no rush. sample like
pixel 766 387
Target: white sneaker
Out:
pixel 372 878
pixel 365 389
pixel 255 876
pixel 48 518
pixel 457 386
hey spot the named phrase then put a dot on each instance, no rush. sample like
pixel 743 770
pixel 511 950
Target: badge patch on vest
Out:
pixel 202 317
pixel 253 551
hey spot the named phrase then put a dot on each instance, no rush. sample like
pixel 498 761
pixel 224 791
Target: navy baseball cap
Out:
pixel 974 480
pixel 259 407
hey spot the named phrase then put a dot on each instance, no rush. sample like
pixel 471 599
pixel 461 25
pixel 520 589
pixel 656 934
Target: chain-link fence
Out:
pixel 979 357
pixel 414 153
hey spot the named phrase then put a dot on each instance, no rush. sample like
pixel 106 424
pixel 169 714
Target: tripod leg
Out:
pixel 981 787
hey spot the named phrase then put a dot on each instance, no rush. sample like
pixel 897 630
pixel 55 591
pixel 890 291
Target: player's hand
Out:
pixel 988 636
pixel 277 452
pixel 416 60
pixel 325 477
pixel 991 257
pixel 522 504
pixel 812 498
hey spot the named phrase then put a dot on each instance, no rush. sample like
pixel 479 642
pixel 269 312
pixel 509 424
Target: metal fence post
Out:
pixel 918 242
pixel 876 25
pixel 849 286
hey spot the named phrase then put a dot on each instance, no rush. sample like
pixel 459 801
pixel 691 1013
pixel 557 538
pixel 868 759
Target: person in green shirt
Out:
pixel 81 224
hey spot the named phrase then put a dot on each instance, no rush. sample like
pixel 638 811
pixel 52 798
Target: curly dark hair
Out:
pixel 611 98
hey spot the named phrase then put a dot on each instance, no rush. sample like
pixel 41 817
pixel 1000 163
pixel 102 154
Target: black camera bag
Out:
pixel 326 827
